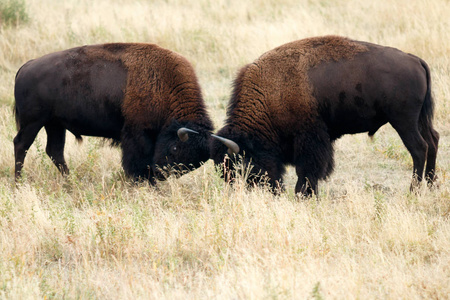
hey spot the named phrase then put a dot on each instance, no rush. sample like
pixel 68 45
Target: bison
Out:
pixel 142 96
pixel 293 102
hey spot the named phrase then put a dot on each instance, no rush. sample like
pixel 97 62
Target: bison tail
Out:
pixel 16 110
pixel 427 111
pixel 16 116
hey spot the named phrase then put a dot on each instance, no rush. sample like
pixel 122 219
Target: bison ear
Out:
pixel 233 148
pixel 183 133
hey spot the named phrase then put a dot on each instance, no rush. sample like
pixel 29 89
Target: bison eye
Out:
pixel 174 149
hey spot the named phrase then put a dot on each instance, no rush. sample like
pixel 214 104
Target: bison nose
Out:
pixel 163 172
pixel 160 173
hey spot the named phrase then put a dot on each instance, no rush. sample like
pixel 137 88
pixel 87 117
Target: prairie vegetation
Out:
pixel 94 234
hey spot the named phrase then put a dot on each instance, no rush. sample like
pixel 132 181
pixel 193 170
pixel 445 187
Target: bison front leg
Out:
pixel 137 154
pixel 313 160
pixel 306 184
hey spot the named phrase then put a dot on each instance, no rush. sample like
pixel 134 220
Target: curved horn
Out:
pixel 183 133
pixel 233 148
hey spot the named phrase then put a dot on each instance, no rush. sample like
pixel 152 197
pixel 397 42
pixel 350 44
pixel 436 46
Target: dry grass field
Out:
pixel 96 235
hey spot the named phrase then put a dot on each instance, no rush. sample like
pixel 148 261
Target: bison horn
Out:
pixel 183 133
pixel 233 148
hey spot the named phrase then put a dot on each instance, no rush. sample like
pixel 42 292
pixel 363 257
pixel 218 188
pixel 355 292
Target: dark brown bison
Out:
pixel 292 103
pixel 143 96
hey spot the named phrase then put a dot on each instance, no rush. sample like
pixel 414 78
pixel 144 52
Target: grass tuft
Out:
pixel 13 13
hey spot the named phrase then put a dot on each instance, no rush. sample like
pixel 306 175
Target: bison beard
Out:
pixel 139 95
pixel 291 104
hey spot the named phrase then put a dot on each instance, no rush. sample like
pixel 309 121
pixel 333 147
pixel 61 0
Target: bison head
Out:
pixel 180 148
pixel 253 160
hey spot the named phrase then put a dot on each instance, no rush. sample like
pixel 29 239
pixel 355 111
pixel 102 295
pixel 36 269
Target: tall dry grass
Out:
pixel 96 235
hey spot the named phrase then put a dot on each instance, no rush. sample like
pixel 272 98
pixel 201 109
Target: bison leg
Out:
pixel 137 154
pixel 306 184
pixel 431 136
pixel 313 160
pixel 22 142
pixel 56 138
pixel 416 146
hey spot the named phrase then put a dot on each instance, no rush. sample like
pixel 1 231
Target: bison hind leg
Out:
pixel 417 147
pixel 22 142
pixel 56 139
pixel 431 137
